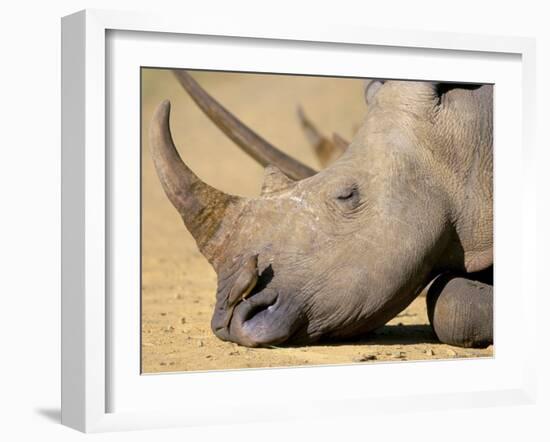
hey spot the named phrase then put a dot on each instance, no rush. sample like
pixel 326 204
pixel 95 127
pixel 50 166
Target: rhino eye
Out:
pixel 348 198
pixel 348 194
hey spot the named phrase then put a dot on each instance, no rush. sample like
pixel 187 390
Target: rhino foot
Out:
pixel 461 311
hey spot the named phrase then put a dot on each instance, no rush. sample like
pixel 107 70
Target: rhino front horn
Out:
pixel 207 212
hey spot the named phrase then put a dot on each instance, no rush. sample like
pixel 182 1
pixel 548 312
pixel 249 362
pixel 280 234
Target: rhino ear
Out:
pixel 275 180
pixel 371 88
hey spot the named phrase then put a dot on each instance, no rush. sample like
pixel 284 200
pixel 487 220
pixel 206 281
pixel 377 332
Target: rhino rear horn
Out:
pixel 275 180
pixel 249 141
pixel 206 211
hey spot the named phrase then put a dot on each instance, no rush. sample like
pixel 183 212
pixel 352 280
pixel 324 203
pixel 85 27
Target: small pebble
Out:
pixel 162 314
pixel 182 320
pixel 429 352
pixel 163 363
pixel 200 344
pixel 451 352
pixel 399 354
pixel 365 358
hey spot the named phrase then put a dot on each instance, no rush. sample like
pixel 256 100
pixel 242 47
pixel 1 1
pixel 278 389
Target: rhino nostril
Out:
pixel 264 278
pixel 254 309
pixel 259 307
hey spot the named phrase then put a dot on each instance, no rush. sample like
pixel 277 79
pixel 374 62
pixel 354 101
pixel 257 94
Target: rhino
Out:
pixel 336 253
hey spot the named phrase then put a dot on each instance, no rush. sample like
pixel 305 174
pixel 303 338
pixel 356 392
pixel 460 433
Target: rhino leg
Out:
pixel 461 311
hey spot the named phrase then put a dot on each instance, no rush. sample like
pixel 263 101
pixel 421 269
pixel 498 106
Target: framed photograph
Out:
pixel 252 212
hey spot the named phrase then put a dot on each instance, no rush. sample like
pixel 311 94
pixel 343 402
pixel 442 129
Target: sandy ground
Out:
pixel 178 284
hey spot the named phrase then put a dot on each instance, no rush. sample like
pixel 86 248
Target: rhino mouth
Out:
pixel 261 320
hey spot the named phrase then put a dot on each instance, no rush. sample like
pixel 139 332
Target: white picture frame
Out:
pixel 91 353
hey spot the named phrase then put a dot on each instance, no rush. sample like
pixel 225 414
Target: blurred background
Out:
pixel 266 103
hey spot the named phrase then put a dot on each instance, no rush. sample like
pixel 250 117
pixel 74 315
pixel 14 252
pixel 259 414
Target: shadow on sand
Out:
pixel 409 334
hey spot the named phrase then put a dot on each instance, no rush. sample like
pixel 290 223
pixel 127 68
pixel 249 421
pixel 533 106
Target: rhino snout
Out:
pixel 261 320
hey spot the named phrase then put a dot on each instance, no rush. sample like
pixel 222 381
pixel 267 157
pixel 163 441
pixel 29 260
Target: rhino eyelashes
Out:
pixel 347 195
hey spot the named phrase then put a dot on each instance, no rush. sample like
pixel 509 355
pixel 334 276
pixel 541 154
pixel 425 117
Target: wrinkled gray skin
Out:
pixel 342 252
pixel 460 310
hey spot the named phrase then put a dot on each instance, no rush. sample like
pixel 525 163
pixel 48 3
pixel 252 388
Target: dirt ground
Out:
pixel 178 284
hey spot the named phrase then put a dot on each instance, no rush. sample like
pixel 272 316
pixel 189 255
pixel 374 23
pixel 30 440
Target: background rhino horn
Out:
pixel 254 145
pixel 327 150
pixel 203 208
